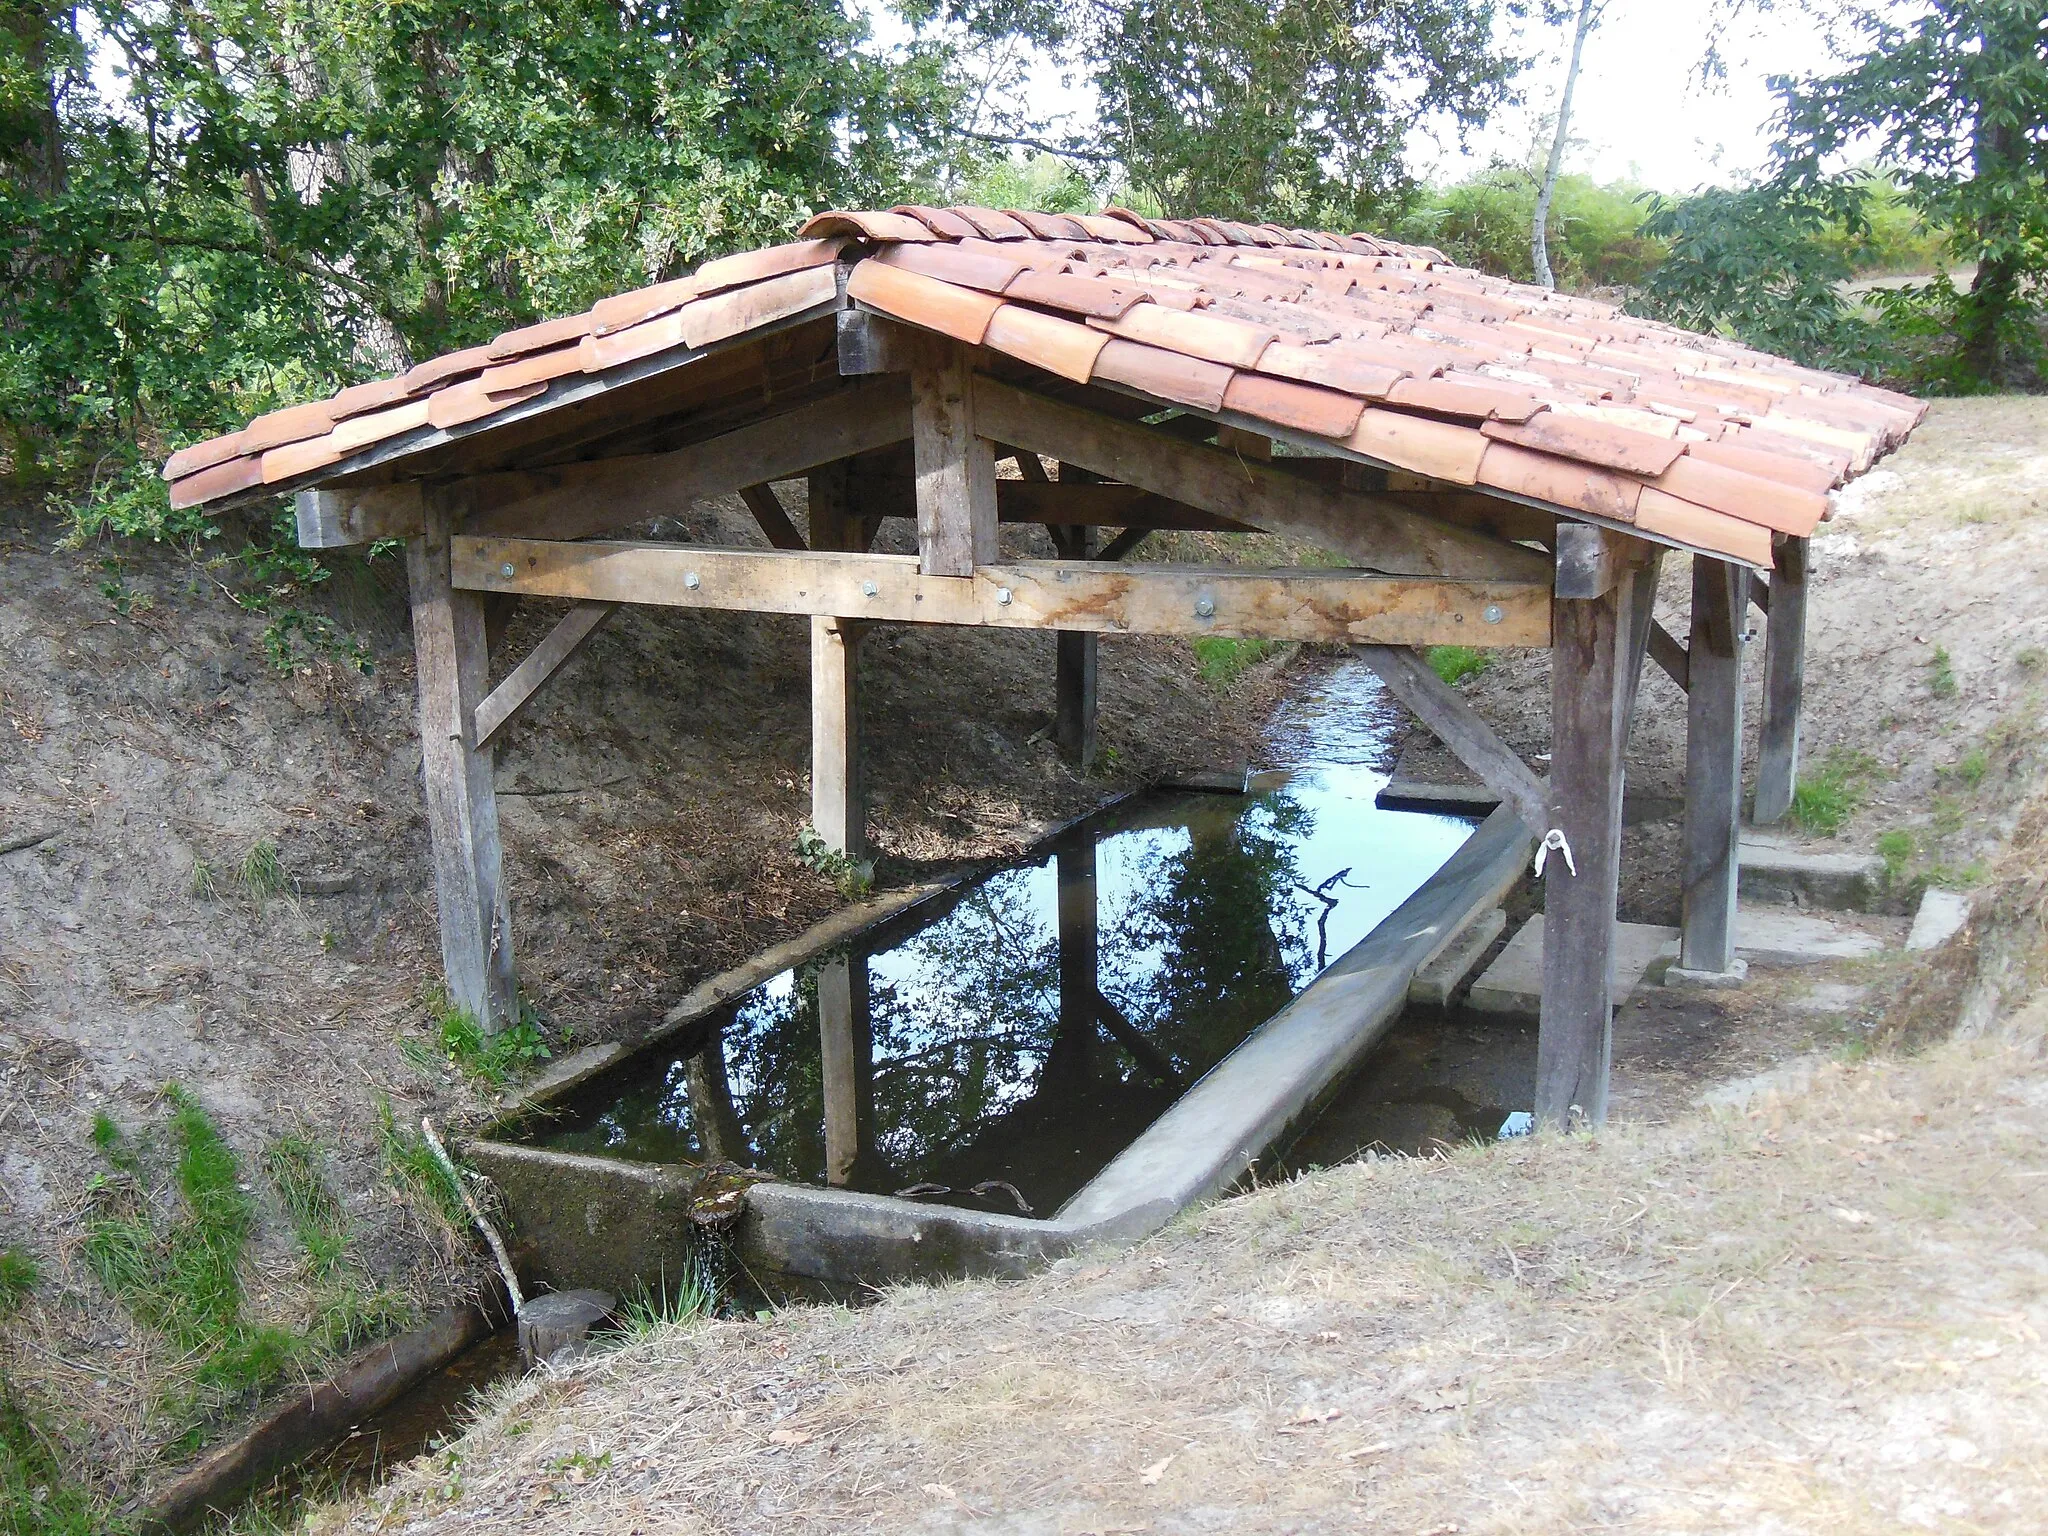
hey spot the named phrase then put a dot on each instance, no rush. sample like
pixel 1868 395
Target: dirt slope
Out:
pixel 152 759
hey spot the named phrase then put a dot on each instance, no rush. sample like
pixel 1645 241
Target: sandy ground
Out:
pixel 650 805
pixel 1810 1298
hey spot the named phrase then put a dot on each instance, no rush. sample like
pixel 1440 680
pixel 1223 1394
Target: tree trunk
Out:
pixel 1539 228
pixel 1994 290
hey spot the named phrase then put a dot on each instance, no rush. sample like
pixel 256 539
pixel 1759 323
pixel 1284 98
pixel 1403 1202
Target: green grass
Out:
pixel 39 1494
pixel 1221 660
pixel 1941 674
pixel 1825 798
pixel 671 1303
pixel 261 874
pixel 1896 848
pixel 19 1277
pixel 293 1164
pixel 1455 663
pixel 179 1273
pixel 411 1165
pixel 1973 766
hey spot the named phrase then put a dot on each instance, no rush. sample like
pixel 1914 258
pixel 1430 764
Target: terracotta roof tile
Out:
pixel 300 458
pixel 1165 375
pixel 1441 450
pixel 1302 407
pixel 1457 397
pixel 1216 338
pixel 374 426
pixel 754 266
pixel 994 225
pixel 1046 341
pixel 470 401
pixel 290 425
pixel 1785 508
pixel 981 269
pixel 536 368
pixel 1049 226
pixel 627 310
pixel 962 313
pixel 373 396
pixel 544 337
pixel 436 371
pixel 1590 442
pixel 706 321
pixel 1335 366
pixel 1671 518
pixel 202 455
pixel 1092 296
pixel 871 225
pixel 942 222
pixel 225 478
pixel 1791 469
pixel 1559 481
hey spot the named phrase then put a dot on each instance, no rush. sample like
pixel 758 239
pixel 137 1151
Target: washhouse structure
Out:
pixel 1490 464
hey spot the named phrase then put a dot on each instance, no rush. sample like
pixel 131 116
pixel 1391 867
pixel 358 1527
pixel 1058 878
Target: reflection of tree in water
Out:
pixel 1217 941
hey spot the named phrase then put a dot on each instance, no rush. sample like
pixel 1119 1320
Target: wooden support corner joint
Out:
pixel 1592 559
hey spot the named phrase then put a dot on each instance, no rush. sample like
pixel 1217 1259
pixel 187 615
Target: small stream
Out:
pixel 998 1050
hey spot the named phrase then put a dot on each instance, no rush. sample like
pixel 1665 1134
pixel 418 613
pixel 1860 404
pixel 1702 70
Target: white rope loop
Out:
pixel 1554 842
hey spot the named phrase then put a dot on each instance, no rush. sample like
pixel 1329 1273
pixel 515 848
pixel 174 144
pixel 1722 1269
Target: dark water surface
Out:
pixel 999 1050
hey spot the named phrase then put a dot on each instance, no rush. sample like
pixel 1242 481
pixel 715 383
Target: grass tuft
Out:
pixel 19 1277
pixel 293 1164
pixel 1824 799
pixel 39 1494
pixel 1896 849
pixel 671 1303
pixel 1455 663
pixel 495 1059
pixel 1941 674
pixel 261 874
pixel 411 1165
pixel 1221 660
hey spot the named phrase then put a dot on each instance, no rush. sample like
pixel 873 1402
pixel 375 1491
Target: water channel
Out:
pixel 997 1050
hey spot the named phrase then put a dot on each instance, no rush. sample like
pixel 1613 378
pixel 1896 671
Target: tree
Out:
pixel 1589 15
pixel 1955 101
pixel 1290 110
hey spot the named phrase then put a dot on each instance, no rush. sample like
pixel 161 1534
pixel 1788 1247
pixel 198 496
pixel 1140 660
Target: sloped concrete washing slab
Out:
pixel 586 1220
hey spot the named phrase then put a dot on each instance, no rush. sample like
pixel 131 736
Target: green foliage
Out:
pixel 1827 795
pixel 855 878
pixel 1972 767
pixel 670 1303
pixel 1955 99
pixel 1941 674
pixel 495 1059
pixel 205 880
pixel 1247 109
pixel 261 874
pixel 1455 663
pixel 293 1163
pixel 1222 660
pixel 1596 237
pixel 19 1277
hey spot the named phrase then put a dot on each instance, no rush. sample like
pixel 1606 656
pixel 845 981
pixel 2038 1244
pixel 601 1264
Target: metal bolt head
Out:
pixel 1205 608
pixel 1003 596
pixel 506 569
pixel 869 589
pixel 692 580
pixel 1493 613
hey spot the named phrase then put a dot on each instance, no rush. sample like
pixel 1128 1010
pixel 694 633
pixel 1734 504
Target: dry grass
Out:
pixel 1823 1312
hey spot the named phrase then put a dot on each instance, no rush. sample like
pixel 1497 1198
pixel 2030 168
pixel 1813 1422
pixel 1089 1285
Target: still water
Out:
pixel 999 1050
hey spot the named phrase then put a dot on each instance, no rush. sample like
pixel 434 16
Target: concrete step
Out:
pixel 1940 918
pixel 1777 870
pixel 1436 981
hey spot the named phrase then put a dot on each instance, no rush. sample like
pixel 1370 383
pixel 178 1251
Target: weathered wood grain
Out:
pixel 504 704
pixel 1713 764
pixel 1777 762
pixel 956 466
pixel 1454 722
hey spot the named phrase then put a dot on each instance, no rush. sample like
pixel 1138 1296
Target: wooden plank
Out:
pixel 767 508
pixel 1453 722
pixel 1076 667
pixel 1333 606
pixel 1777 761
pixel 1123 544
pixel 340 518
pixel 1590 560
pixel 1587 692
pixel 838 798
pixel 1670 655
pixel 1642 618
pixel 462 808
pixel 576 500
pixel 1373 533
pixel 845 1064
pixel 1713 765
pixel 956 466
pixel 509 700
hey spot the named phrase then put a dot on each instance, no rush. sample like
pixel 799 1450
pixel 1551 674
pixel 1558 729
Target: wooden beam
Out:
pixel 838 797
pixel 768 511
pixel 1642 619
pixel 1670 655
pixel 1713 766
pixel 1588 686
pixel 509 700
pixel 576 500
pixel 337 519
pixel 1362 528
pixel 1332 606
pixel 1590 560
pixel 1122 544
pixel 1777 760
pixel 1076 666
pixel 462 807
pixel 956 466
pixel 1454 722
pixel 845 1063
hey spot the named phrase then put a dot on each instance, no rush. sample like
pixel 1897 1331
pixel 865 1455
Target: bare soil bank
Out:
pixel 150 753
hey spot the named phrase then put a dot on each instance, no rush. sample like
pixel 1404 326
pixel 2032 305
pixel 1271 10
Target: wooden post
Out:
pixel 1777 762
pixel 462 803
pixel 1642 620
pixel 1713 766
pixel 1589 665
pixel 1074 667
pixel 844 1061
pixel 838 792
pixel 956 469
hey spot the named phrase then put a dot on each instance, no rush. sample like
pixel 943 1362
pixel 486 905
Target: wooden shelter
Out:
pixel 1493 464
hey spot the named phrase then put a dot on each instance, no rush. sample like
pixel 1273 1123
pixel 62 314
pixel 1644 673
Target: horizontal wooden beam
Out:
pixel 337 519
pixel 1592 560
pixel 572 501
pixel 505 703
pixel 1363 528
pixel 1330 606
